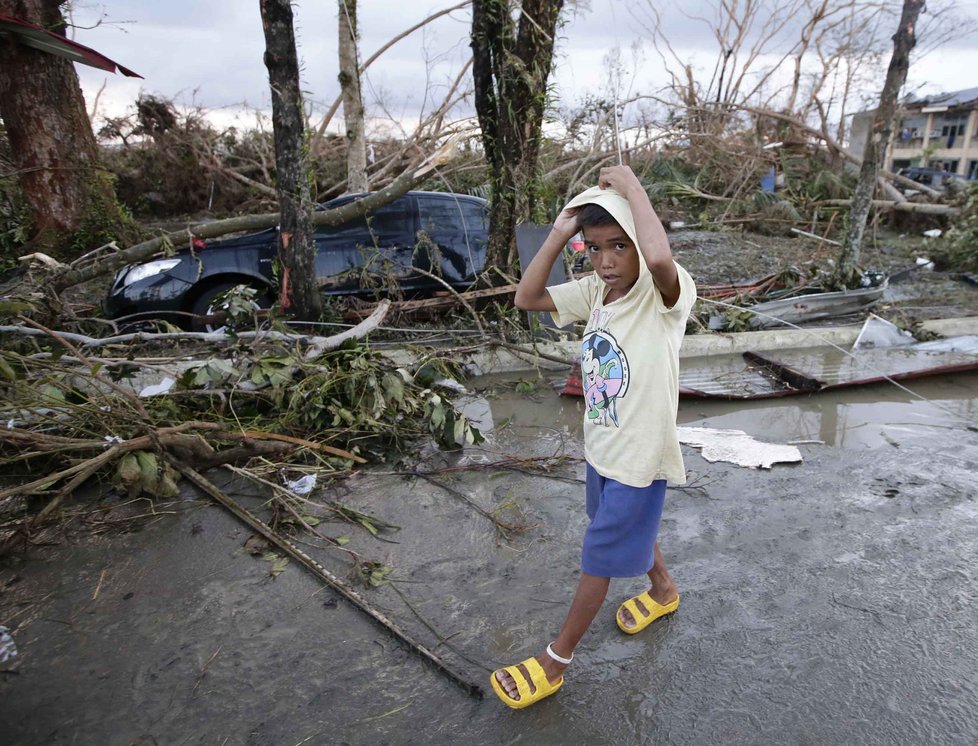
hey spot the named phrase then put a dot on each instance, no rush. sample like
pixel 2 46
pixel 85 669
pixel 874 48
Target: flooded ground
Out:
pixel 831 601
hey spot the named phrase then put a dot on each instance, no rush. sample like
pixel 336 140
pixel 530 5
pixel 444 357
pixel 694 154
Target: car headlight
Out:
pixel 142 271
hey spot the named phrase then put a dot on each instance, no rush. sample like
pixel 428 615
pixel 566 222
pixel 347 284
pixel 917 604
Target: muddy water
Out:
pixel 828 602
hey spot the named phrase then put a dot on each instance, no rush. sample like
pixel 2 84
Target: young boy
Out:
pixel 636 304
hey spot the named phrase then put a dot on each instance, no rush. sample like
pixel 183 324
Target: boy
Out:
pixel 636 304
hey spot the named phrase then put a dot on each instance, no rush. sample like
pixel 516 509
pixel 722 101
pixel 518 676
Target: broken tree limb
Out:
pixel 457 295
pixel 441 301
pixel 924 208
pixel 323 344
pixel 501 526
pixel 317 138
pixel 317 345
pixel 835 145
pixel 325 575
pixel 75 275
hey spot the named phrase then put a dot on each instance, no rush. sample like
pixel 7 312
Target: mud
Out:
pixel 828 602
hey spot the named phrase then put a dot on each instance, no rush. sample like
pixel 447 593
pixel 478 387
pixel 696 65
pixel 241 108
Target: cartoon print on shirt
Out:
pixel 604 369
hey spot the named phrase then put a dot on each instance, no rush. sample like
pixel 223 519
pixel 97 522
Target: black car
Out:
pixel 440 233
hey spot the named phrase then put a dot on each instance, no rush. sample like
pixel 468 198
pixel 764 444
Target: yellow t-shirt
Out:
pixel 630 366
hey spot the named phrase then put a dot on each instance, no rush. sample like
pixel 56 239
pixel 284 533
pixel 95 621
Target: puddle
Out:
pixel 860 418
pixel 867 417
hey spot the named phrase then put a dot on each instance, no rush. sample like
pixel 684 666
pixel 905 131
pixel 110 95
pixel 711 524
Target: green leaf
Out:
pixel 368 525
pixel 52 394
pixel 342 540
pixel 6 371
pixel 278 566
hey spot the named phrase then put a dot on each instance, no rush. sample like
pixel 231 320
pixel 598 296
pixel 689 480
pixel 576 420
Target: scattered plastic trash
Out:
pixel 880 334
pixel 737 447
pixel 676 224
pixel 112 439
pixel 451 384
pixel 302 485
pixel 8 648
pixel 924 263
pixel 934 233
pixel 158 388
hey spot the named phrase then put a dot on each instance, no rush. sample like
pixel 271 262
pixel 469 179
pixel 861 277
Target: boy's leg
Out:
pixel 663 589
pixel 591 592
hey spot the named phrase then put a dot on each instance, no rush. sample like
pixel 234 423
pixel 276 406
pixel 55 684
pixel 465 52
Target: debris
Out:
pixel 317 569
pixel 879 333
pixel 303 485
pixel 737 447
pixel 934 233
pixel 158 388
pixel 8 648
pixel 924 262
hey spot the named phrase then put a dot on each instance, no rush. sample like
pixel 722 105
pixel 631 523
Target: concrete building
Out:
pixel 938 131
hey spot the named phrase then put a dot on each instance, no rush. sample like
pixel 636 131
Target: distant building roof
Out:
pixel 954 98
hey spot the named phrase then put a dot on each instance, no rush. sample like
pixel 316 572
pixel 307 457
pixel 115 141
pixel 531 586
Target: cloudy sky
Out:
pixel 210 53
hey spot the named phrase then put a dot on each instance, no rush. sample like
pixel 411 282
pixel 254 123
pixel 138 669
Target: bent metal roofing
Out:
pixel 43 40
pixel 953 98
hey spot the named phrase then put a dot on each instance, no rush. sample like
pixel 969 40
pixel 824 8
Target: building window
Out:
pixel 952 129
pixel 972 170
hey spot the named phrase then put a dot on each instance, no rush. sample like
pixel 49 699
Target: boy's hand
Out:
pixel 566 223
pixel 620 178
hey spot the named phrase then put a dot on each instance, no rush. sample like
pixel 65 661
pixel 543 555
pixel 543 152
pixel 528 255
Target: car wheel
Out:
pixel 204 306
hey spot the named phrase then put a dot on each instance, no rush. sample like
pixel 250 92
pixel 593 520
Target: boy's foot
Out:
pixel 551 669
pixel 665 597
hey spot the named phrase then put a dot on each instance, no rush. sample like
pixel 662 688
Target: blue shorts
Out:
pixel 620 539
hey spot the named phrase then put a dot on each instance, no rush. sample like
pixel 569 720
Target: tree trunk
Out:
pixel 904 39
pixel 349 77
pixel 511 64
pixel 70 199
pixel 297 252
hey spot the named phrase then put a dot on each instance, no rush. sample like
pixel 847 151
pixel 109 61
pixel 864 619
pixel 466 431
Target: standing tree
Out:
pixel 349 77
pixel 511 63
pixel 879 135
pixel 69 196
pixel 297 252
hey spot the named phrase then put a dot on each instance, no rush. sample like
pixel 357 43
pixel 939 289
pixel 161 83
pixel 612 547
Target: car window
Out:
pixel 380 243
pixel 457 229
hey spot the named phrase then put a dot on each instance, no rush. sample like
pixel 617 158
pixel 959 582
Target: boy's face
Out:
pixel 613 256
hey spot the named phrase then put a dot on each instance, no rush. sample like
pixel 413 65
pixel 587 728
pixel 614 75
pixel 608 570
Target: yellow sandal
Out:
pixel 653 609
pixel 538 678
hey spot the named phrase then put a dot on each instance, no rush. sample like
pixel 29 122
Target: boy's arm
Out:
pixel 652 239
pixel 531 293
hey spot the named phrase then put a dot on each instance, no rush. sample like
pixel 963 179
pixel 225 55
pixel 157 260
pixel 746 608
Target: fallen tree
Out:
pixel 89 268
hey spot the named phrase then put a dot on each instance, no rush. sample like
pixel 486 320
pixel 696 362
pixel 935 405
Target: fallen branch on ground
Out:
pixel 321 572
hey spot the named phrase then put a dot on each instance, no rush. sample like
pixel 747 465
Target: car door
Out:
pixel 368 254
pixel 453 230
